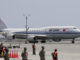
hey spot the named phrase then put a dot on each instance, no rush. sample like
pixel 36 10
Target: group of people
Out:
pixel 1 49
pixel 4 52
pixel 24 54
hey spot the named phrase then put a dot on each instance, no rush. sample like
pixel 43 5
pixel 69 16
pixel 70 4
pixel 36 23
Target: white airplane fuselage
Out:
pixel 56 33
pixel 44 33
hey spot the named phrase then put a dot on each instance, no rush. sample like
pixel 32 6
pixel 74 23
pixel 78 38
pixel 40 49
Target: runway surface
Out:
pixel 66 50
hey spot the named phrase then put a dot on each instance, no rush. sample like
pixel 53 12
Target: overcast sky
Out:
pixel 40 12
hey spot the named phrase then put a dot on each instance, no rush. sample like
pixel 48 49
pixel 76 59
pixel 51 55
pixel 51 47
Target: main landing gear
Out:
pixel 73 41
pixel 44 41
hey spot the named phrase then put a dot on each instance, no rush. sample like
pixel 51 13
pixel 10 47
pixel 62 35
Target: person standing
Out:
pixel 42 54
pixel 55 55
pixel 6 55
pixel 1 49
pixel 34 49
pixel 24 54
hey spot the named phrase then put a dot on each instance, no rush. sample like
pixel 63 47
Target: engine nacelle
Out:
pixel 30 38
pixel 10 36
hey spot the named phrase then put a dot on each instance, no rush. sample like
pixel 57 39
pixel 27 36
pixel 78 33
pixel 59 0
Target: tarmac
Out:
pixel 66 50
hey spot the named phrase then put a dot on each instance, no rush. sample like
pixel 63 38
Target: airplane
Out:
pixel 56 33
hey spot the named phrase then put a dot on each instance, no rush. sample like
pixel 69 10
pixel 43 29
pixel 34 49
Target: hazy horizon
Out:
pixel 40 13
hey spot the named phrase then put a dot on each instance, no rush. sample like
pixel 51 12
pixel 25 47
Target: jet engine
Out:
pixel 10 36
pixel 30 38
pixel 57 40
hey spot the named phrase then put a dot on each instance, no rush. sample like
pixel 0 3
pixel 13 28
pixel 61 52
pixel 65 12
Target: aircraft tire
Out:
pixel 73 41
pixel 43 41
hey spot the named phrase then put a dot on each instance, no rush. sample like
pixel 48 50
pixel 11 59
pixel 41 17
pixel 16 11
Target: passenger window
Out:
pixel 74 28
pixel 53 30
pixel 50 30
pixel 56 30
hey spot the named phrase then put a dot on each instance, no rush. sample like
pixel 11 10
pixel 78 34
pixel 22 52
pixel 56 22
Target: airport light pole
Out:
pixel 26 41
pixel 26 31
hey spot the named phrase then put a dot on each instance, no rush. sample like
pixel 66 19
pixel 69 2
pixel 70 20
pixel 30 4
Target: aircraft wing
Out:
pixel 22 36
pixel 41 36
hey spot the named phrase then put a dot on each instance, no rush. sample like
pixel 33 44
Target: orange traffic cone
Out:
pixel 16 55
pixel 10 55
pixel 13 55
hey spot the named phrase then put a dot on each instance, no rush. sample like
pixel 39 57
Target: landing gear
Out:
pixel 13 37
pixel 35 40
pixel 73 41
pixel 43 41
pixel 57 40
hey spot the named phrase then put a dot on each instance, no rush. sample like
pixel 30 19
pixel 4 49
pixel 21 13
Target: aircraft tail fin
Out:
pixel 2 25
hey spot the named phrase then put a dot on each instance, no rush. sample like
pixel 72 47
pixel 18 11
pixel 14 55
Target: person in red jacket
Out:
pixel 55 55
pixel 34 49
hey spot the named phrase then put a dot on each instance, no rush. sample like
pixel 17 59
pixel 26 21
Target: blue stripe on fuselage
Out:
pixel 47 32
